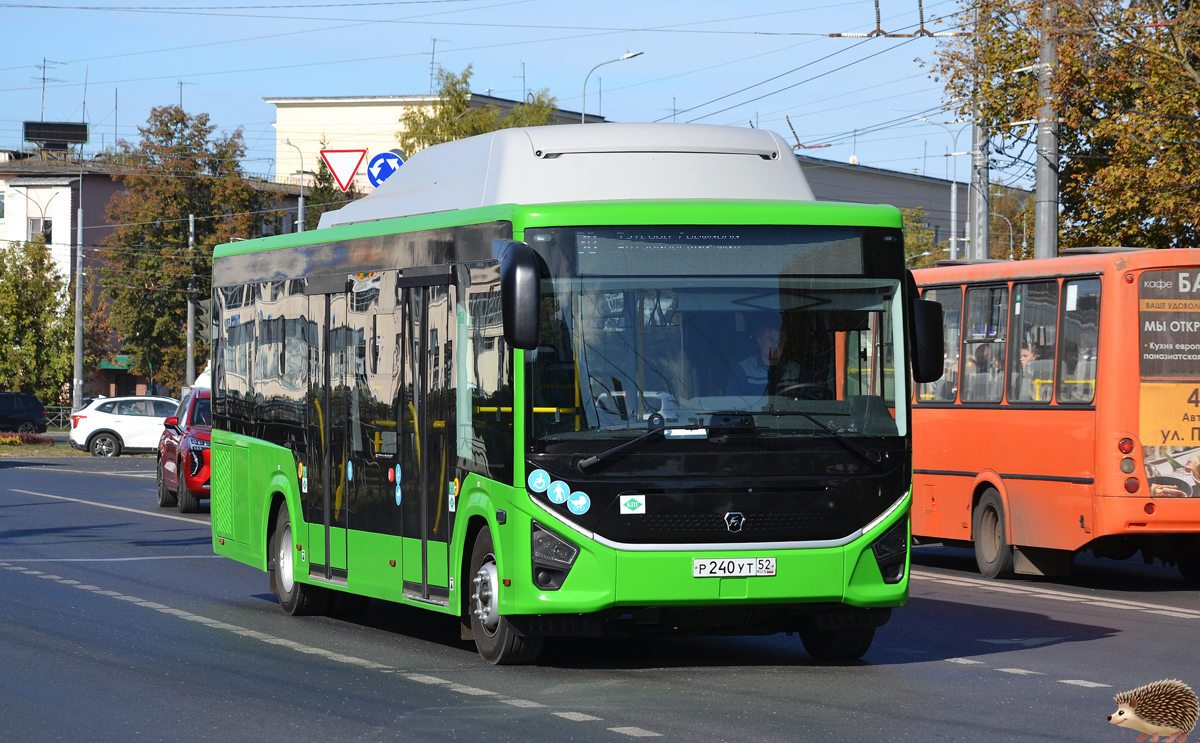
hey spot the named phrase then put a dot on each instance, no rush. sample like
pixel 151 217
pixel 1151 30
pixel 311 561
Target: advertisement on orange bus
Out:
pixel 1169 318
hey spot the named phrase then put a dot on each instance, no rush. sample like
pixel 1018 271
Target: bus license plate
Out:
pixel 737 567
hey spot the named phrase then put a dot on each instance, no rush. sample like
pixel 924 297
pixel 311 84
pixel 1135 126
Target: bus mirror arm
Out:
pixel 520 293
pixel 928 352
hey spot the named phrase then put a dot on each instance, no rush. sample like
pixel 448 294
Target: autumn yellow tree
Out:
pixel 1126 91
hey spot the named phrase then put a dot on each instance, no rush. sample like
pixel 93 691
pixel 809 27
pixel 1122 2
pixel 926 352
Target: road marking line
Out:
pixel 151 605
pixel 965 661
pixel 115 508
pixel 1081 682
pixel 1046 592
pixel 576 716
pixel 461 689
pixel 87 587
pixel 15 567
pixel 85 472
pixel 68 581
pixel 636 732
pixel 51 577
pixel 115 559
pixel 134 599
pixel 1168 613
pixel 114 594
pixel 1020 671
pixel 521 703
pixel 175 612
pixel 423 679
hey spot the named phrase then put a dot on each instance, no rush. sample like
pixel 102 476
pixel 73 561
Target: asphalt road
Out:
pixel 118 623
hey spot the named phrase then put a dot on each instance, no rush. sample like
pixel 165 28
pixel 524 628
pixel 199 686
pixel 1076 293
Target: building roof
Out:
pixel 476 101
pixel 554 164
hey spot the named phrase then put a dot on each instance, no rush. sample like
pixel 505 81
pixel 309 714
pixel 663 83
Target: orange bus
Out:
pixel 1068 414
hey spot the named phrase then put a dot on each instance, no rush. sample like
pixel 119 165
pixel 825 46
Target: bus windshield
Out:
pixel 781 356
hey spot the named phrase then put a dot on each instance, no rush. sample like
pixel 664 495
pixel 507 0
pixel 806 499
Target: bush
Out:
pixel 27 439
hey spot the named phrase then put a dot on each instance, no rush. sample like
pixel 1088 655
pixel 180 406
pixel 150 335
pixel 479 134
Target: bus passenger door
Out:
pixel 326 469
pixel 427 420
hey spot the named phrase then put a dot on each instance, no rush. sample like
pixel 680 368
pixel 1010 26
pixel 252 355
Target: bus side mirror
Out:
pixel 520 293
pixel 928 352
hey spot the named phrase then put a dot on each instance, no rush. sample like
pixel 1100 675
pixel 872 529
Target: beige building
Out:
pixel 356 122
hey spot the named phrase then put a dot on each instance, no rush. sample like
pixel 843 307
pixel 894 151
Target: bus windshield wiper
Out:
pixel 658 427
pixel 851 446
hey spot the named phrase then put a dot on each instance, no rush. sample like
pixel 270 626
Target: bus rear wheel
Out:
pixel 496 639
pixel 993 551
pixel 297 599
pixel 837 644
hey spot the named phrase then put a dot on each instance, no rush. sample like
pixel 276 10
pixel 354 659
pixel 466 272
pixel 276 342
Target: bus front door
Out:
pixel 426 418
pixel 330 373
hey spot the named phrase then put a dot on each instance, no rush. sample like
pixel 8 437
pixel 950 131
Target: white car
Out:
pixel 111 426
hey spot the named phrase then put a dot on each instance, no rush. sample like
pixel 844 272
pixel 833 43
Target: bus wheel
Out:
pixel 297 599
pixel 837 644
pixel 495 638
pixel 993 552
pixel 1189 568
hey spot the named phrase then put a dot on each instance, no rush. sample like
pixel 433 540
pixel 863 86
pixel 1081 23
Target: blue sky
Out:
pixel 716 63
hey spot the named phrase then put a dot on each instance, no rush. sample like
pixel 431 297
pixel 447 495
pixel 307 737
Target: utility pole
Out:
pixel 191 321
pixel 979 209
pixel 522 80
pixel 77 385
pixel 1045 207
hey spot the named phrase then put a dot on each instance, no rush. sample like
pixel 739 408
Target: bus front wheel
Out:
pixel 297 599
pixel 495 638
pixel 993 551
pixel 837 644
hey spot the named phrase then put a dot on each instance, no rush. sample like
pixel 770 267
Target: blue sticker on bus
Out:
pixel 349 470
pixel 558 491
pixel 579 503
pixel 538 481
pixel 397 494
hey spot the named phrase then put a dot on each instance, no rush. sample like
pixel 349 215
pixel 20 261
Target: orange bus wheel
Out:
pixel 993 552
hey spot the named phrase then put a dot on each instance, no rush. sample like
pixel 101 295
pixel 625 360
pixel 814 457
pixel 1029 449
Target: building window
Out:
pixel 1 205
pixel 39 229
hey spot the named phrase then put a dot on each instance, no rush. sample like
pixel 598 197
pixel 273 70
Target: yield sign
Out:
pixel 343 164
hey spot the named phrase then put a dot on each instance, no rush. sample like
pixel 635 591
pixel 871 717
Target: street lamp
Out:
pixel 918 255
pixel 300 209
pixel 583 106
pixel 953 184
pixel 1024 225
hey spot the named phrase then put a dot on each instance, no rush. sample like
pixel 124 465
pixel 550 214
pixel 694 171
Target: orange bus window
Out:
pixel 1034 327
pixel 1080 341
pixel 946 388
pixel 985 338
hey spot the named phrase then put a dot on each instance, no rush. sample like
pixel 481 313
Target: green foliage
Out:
pixel 451 117
pixel 324 195
pixel 919 249
pixel 1126 92
pixel 35 332
pixel 178 168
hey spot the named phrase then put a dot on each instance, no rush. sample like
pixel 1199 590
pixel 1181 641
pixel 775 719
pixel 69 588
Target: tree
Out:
pixel 451 116
pixel 324 195
pixel 178 168
pixel 1127 97
pixel 919 248
pixel 35 333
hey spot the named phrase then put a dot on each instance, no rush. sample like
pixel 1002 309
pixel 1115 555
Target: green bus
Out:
pixel 595 380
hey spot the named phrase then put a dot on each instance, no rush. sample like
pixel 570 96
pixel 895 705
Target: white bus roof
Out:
pixel 592 162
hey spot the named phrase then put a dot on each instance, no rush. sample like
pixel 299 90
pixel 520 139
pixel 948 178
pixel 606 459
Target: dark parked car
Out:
pixel 22 412
pixel 183 454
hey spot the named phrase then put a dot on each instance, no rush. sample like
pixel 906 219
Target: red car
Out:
pixel 183 454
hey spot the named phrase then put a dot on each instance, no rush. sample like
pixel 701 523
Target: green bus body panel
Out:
pixel 249 474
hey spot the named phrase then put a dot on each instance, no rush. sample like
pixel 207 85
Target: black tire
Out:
pixel 188 503
pixel 27 427
pixel 495 638
pixel 837 644
pixel 166 498
pixel 1189 568
pixel 105 445
pixel 993 550
pixel 297 599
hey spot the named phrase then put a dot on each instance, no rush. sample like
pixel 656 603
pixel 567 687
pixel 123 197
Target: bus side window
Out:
pixel 985 336
pixel 1080 345
pixel 1034 329
pixel 946 388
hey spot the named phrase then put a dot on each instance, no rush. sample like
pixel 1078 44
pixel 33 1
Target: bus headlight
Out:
pixel 553 557
pixel 891 551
